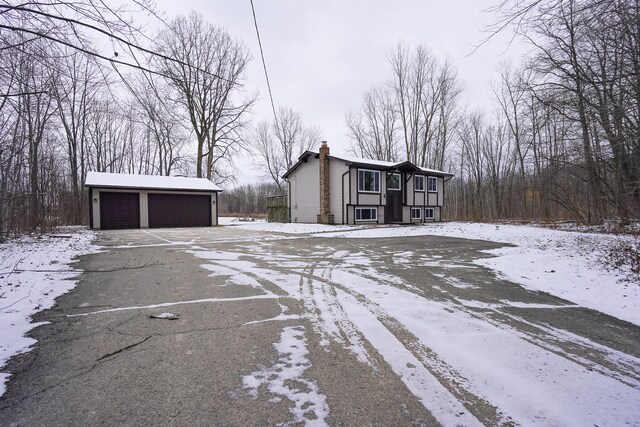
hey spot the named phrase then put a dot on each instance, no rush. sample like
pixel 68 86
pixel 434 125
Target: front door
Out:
pixel 393 211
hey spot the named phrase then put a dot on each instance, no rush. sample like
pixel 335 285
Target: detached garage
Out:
pixel 121 201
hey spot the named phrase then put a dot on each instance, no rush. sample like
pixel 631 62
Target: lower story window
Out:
pixel 366 214
pixel 416 213
pixel 429 213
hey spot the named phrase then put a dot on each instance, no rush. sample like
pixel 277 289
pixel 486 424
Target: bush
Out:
pixel 625 256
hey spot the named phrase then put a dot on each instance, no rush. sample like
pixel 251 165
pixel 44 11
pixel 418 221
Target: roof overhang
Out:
pixel 405 167
pixel 302 159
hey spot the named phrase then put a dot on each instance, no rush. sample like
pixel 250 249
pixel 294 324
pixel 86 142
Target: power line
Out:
pixel 264 64
pixel 73 22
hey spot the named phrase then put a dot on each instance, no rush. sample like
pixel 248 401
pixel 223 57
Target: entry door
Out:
pixel 393 211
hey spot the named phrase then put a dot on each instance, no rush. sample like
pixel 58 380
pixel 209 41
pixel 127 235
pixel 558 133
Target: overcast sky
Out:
pixel 322 56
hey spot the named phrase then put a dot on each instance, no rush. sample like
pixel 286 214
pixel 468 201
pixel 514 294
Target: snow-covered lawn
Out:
pixel 567 264
pixel 34 270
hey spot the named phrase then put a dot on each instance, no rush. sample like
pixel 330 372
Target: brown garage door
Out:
pixel 119 210
pixel 179 210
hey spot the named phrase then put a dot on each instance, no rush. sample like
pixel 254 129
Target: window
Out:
pixel 368 181
pixel 432 184
pixel 416 213
pixel 429 213
pixel 394 182
pixel 418 181
pixel 366 214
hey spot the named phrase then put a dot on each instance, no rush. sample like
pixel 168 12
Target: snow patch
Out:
pixel 566 264
pixel 171 304
pixel 285 379
pixel 34 271
pixel 496 364
pixel 435 397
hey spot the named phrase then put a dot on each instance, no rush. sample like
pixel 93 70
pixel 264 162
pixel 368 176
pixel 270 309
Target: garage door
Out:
pixel 119 210
pixel 179 210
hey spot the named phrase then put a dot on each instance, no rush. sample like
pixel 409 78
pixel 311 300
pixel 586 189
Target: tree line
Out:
pixel 563 139
pixel 83 87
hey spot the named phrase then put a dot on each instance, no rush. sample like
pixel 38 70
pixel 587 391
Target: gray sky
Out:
pixel 322 56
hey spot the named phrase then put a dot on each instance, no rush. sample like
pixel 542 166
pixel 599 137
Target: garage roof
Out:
pixel 156 182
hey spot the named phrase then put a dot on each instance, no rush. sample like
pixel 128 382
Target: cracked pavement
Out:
pixel 101 359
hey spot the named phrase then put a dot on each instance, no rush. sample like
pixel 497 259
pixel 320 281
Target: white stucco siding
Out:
pixel 305 192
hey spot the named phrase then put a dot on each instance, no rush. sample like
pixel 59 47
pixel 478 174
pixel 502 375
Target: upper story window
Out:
pixel 394 181
pixel 368 181
pixel 418 182
pixel 432 184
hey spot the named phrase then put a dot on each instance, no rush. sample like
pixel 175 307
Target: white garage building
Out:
pixel 121 201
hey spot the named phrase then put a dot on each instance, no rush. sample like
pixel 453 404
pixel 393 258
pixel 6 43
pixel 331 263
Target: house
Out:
pixel 347 190
pixel 120 201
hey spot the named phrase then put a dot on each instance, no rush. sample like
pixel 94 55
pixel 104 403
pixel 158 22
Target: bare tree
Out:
pixel 77 83
pixel 164 132
pixel 207 79
pixel 586 68
pixel 276 146
pixel 374 130
pixel 77 25
pixel 511 95
pixel 473 167
pixel 34 109
pixel 426 91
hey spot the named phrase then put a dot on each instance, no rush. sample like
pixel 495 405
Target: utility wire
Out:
pixel 264 64
pixel 73 22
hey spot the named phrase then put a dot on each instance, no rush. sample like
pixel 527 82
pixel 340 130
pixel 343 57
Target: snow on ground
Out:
pixel 503 366
pixel 445 353
pixel 278 227
pixel 286 379
pixel 34 270
pixel 527 378
pixel 566 264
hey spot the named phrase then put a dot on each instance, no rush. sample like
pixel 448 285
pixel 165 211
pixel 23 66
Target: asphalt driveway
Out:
pixel 275 329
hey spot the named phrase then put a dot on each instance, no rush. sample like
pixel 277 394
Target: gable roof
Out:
pixel 156 182
pixel 405 166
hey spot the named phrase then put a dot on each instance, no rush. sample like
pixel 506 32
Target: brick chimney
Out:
pixel 324 217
